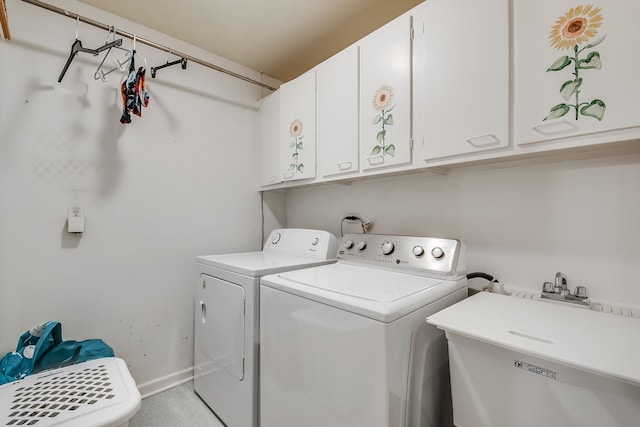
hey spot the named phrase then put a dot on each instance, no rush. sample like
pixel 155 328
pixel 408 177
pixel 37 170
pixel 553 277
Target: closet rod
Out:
pixel 145 41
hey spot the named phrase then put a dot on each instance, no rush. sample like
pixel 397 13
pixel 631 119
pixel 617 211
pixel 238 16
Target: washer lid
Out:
pixel 375 293
pixel 257 264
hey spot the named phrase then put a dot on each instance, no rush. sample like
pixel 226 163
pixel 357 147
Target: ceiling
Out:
pixel 280 38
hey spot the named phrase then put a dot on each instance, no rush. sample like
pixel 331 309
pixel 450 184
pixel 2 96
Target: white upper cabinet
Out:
pixel 462 76
pixel 576 68
pixel 298 127
pixel 385 95
pixel 337 114
pixel 269 140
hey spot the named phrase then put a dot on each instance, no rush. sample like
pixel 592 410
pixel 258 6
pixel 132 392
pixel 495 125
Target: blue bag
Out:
pixel 42 348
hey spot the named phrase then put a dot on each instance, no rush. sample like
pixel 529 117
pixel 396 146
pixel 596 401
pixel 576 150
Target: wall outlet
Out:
pixel 75 220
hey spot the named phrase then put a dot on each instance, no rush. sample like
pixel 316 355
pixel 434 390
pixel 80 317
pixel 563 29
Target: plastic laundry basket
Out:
pixel 99 392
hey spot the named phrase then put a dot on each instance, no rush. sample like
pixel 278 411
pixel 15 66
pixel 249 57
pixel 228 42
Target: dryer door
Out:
pixel 220 327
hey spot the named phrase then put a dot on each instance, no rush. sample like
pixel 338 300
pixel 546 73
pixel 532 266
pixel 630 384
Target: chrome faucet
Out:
pixel 560 285
pixel 559 291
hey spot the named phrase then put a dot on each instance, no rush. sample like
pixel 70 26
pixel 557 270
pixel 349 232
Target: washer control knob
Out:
pixel 315 241
pixel 276 238
pixel 418 250
pixel 437 252
pixel 361 245
pixel 348 244
pixel 387 248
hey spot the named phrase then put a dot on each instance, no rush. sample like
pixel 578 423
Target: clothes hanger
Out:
pixel 131 70
pixel 100 73
pixel 77 47
pixel 181 61
pixel 136 53
pixel 128 79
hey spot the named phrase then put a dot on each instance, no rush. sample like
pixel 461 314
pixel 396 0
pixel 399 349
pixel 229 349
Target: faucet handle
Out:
pixel 581 292
pixel 547 287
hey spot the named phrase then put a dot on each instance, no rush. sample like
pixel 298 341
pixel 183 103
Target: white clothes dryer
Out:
pixel 347 345
pixel 227 310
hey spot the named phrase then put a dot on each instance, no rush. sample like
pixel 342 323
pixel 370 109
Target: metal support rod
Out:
pixel 145 41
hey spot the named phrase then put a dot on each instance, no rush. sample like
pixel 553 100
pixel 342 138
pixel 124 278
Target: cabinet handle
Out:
pixel 287 175
pixel 377 160
pixel 555 127
pixel 483 141
pixel 344 166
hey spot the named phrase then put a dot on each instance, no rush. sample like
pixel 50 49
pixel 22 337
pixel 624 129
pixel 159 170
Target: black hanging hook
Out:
pixel 181 61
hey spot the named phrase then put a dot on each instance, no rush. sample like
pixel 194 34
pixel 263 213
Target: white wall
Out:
pixel 521 224
pixel 178 182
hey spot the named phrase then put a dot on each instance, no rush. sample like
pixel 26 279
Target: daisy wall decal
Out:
pixel 296 132
pixel 382 102
pixel 577 26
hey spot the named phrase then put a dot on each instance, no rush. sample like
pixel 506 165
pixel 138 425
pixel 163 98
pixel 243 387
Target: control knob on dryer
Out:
pixel 348 244
pixel 387 247
pixel 361 245
pixel 437 252
pixel 276 238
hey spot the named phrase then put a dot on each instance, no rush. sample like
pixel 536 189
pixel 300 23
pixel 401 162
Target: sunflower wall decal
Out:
pixel 382 102
pixel 577 26
pixel 296 132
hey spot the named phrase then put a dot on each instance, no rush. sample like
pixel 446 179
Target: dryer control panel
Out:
pixel 429 256
pixel 317 244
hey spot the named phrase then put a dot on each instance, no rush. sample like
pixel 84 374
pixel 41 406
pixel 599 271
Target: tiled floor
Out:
pixel 176 407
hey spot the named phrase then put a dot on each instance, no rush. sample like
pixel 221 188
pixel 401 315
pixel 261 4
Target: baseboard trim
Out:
pixel 159 385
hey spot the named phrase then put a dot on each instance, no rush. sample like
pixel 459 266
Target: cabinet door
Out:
pixel 385 95
pixel 298 127
pixel 576 67
pixel 269 140
pixel 462 47
pixel 337 113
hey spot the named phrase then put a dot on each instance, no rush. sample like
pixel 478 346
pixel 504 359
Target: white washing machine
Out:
pixel 227 318
pixel 347 345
